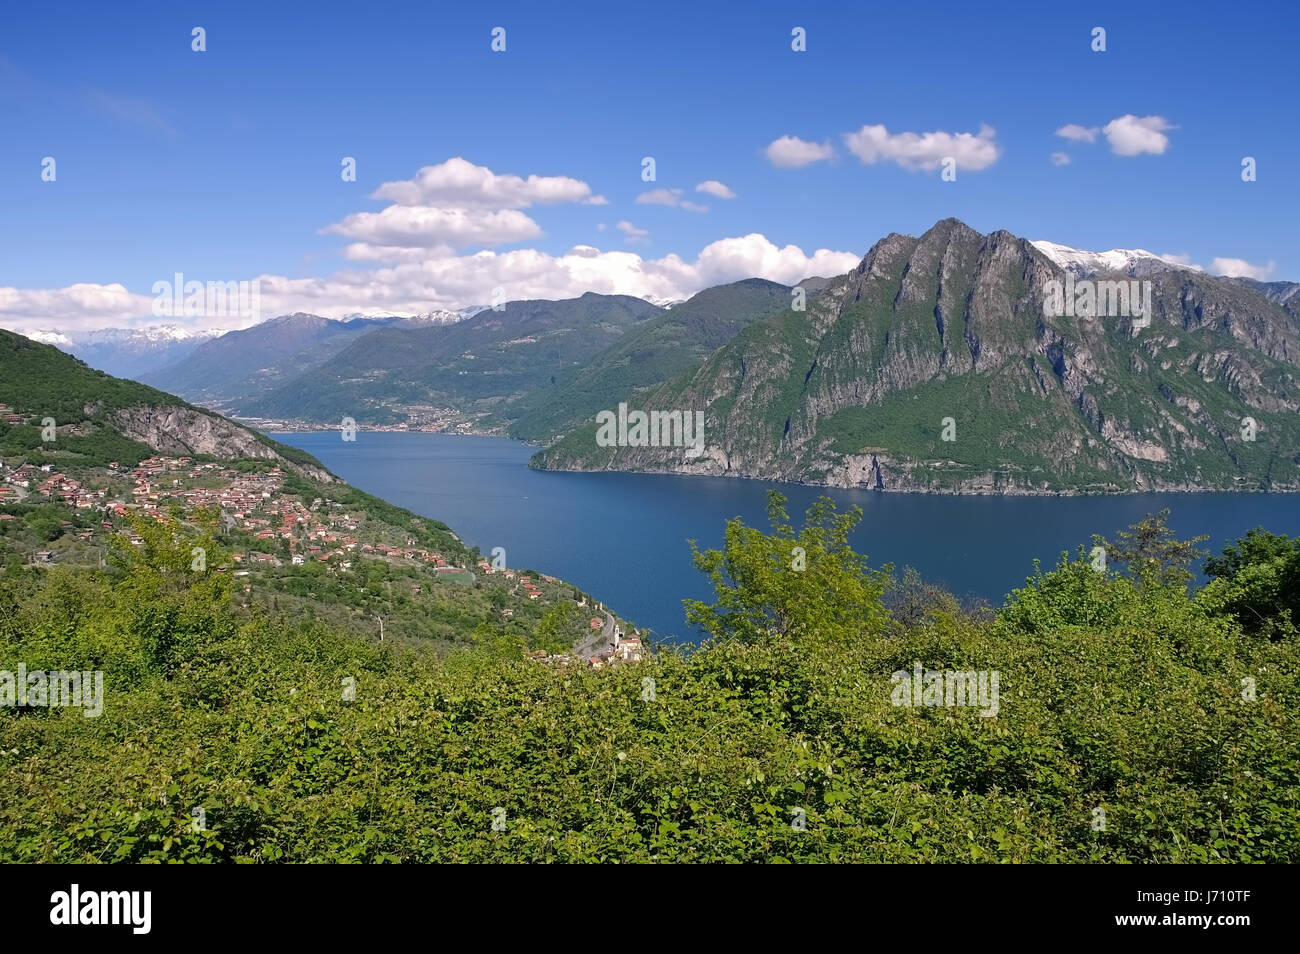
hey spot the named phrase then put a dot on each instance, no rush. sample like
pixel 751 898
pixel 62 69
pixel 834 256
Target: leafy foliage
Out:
pixel 1117 694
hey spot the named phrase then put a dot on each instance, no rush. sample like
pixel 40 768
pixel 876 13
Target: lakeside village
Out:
pixel 283 529
pixel 421 418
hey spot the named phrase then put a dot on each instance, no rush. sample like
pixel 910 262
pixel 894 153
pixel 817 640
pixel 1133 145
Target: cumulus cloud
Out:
pixel 633 233
pixel 459 183
pixel 80 307
pixel 913 151
pixel 1077 133
pixel 1240 268
pixel 1131 135
pixel 1060 159
pixel 445 281
pixel 427 227
pixel 715 188
pixel 754 255
pixel 434 247
pixel 791 152
pixel 669 197
pixel 454 205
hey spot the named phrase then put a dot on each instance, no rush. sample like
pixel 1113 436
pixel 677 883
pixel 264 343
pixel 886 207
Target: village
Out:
pixel 252 502
pixel 289 530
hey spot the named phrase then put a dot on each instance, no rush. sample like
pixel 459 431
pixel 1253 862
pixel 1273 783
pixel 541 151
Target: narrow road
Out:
pixel 599 642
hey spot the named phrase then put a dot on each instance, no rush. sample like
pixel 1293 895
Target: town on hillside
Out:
pixel 276 535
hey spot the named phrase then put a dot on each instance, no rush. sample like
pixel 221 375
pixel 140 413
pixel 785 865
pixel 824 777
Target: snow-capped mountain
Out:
pixel 1133 262
pixel 438 317
pixel 127 352
pixel 663 302
pixel 443 317
pixel 56 338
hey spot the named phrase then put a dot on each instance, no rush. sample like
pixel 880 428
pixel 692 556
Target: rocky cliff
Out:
pixel 934 366
pixel 184 430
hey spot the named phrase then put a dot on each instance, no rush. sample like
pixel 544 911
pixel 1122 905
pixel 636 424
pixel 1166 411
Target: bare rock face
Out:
pixel 182 431
pixel 935 366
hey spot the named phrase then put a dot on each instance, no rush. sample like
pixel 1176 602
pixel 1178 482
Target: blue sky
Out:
pixel 225 164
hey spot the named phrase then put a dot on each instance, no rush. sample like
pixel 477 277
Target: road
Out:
pixel 598 642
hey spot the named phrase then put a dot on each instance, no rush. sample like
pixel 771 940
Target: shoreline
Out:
pixel 918 491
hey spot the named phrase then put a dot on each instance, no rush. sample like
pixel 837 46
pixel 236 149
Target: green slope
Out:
pixel 647 355
pixel 855 391
pixel 471 366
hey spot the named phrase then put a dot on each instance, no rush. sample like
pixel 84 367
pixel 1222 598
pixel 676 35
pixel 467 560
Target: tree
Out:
pixel 911 598
pixel 804 585
pixel 1257 580
pixel 1257 546
pixel 1153 555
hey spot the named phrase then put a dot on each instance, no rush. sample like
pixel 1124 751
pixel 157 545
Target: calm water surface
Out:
pixel 622 537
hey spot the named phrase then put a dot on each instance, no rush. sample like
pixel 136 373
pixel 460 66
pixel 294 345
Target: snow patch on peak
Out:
pixel 663 302
pixel 56 338
pixel 152 333
pixel 1133 262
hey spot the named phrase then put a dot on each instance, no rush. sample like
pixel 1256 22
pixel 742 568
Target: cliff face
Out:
pixel 933 367
pixel 182 430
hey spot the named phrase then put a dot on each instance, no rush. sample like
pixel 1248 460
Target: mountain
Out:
pixel 933 367
pixel 128 352
pixel 1133 262
pixel 1286 294
pixel 98 417
pixel 439 317
pixel 649 354
pixel 240 364
pixel 1137 263
pixel 400 373
pixel 663 302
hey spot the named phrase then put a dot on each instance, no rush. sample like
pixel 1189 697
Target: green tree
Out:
pixel 1256 580
pixel 808 584
pixel 1153 555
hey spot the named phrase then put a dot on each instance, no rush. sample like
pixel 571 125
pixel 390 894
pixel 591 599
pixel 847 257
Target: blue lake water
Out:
pixel 622 537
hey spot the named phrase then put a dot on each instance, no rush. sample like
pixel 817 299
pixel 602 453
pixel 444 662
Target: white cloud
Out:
pixel 419 226
pixel 1077 133
pixel 1060 159
pixel 755 256
pixel 444 281
pixel 972 151
pixel 420 258
pixel 454 205
pixel 1185 260
pixel 669 197
pixel 459 183
pixel 715 188
pixel 790 152
pixel 1240 268
pixel 1131 135
pixel 80 307
pixel 633 233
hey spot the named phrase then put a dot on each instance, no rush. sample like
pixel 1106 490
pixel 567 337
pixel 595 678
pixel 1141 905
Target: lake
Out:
pixel 622 537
